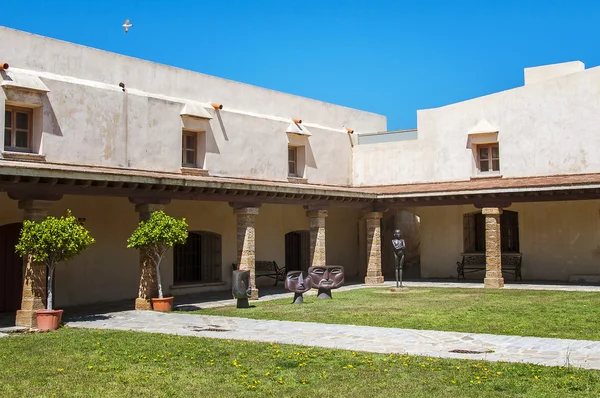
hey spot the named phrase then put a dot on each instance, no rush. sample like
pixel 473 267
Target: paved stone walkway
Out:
pixel 543 351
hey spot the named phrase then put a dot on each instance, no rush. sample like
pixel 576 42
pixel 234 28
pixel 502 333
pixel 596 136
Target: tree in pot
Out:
pixel 153 238
pixel 51 241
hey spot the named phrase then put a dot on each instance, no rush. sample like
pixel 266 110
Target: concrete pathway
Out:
pixel 543 351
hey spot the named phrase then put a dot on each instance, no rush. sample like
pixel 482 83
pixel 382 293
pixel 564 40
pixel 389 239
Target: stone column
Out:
pixel 374 274
pixel 246 243
pixel 34 278
pixel 147 287
pixel 316 222
pixel 493 267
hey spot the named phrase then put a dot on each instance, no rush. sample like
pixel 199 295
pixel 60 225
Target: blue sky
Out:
pixel 389 57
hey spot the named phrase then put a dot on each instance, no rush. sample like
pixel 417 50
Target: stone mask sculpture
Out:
pixel 240 287
pixel 297 283
pixel 326 278
pixel 399 246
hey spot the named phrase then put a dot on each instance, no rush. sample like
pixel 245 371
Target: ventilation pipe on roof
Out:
pixel 297 121
pixel 216 106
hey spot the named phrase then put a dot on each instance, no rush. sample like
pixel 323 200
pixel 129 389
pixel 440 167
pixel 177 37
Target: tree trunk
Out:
pixel 49 287
pixel 158 279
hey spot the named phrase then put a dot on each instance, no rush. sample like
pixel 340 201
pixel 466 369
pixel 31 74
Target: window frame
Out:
pixel 294 162
pixel 13 128
pixel 490 159
pixel 185 150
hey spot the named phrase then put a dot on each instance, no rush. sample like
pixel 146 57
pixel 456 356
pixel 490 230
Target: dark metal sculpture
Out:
pixel 399 246
pixel 240 288
pixel 326 278
pixel 297 283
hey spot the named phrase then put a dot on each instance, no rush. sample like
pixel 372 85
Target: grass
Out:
pixel 86 363
pixel 569 315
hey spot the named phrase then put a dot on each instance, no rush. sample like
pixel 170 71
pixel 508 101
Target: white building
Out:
pixel 267 176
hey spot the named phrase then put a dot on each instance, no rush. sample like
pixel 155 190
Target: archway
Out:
pixel 198 260
pixel 410 225
pixel 297 250
pixel 11 269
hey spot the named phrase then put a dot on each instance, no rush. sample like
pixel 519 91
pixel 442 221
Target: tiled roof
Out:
pixel 478 184
pixel 19 168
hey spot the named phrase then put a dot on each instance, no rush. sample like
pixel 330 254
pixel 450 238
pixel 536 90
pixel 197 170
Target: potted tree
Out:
pixel 153 238
pixel 51 241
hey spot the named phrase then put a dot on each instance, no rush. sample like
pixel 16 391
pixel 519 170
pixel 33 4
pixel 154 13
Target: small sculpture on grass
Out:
pixel 50 242
pixel 299 284
pixel 399 246
pixel 153 238
pixel 240 288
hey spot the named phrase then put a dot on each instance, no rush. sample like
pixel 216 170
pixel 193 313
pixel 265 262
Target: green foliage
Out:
pixel 53 240
pixel 160 230
pixel 155 236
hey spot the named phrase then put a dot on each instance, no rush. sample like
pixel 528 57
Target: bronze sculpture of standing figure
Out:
pixel 399 248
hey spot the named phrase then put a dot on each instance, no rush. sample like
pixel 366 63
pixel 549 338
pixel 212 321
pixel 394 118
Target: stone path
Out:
pixel 543 351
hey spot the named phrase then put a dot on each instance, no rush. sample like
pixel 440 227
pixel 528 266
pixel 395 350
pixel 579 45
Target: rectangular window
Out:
pixel 189 147
pixel 17 129
pixel 488 158
pixel 292 161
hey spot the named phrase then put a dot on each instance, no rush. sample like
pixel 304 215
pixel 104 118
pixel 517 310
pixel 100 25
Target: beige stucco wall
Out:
pixel 108 271
pixel 554 122
pixel 557 239
pixel 89 120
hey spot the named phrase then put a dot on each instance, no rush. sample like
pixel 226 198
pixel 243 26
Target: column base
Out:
pixel 142 304
pixel 493 283
pixel 373 280
pixel 26 318
pixel 254 294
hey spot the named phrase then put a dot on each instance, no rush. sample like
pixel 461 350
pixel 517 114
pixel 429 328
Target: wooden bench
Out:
pixel 474 262
pixel 269 269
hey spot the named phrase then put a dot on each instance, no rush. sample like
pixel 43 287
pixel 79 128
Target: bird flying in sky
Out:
pixel 127 25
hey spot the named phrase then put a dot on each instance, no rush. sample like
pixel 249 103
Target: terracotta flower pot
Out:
pixel 48 319
pixel 164 304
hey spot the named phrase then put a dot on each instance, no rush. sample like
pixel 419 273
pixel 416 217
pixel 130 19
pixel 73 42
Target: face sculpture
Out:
pixel 295 282
pixel 397 234
pixel 240 286
pixel 327 277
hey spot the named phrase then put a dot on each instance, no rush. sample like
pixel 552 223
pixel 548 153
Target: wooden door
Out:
pixel 11 269
pixel 292 251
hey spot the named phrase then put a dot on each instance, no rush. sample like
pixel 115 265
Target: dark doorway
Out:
pixel 474 232
pixel 11 268
pixel 297 250
pixel 198 260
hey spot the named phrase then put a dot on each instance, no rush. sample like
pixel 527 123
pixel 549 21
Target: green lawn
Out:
pixel 87 363
pixel 572 315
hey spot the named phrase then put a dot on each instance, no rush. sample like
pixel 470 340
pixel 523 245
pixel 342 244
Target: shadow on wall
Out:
pixel 310 157
pixel 211 143
pixel 223 129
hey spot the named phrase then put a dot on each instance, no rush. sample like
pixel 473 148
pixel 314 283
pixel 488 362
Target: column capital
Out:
pixel 35 197
pixel 373 214
pixel 246 211
pixel 148 207
pixel 315 207
pixel 149 201
pixel 32 204
pixel 491 210
pixel 316 213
